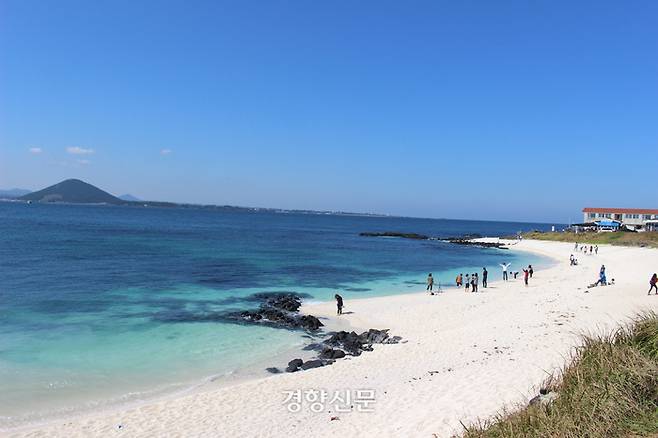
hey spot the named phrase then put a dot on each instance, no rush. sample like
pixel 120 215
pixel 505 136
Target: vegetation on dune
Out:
pixel 619 238
pixel 610 389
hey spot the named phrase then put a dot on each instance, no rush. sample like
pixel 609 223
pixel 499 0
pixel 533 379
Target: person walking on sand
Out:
pixel 652 283
pixel 485 273
pixel 339 304
pixel 459 280
pixel 596 250
pixel 571 260
pixel 505 266
pixel 430 282
pixel 575 247
pixel 530 270
pixel 526 273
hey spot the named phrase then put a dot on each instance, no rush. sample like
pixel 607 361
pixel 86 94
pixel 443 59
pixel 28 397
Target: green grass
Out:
pixel 649 239
pixel 610 389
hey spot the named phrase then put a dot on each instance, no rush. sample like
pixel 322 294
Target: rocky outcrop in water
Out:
pixel 396 234
pixel 280 310
pixel 469 242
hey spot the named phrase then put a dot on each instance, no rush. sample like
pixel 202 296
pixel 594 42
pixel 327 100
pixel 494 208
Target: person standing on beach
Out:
pixel 530 270
pixel 575 248
pixel 467 282
pixel 339 304
pixel 485 273
pixel 652 283
pixel 430 282
pixel 571 260
pixel 526 273
pixel 476 281
pixel 459 280
pixel 596 250
pixel 505 266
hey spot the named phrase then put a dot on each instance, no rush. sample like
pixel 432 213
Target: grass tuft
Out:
pixel 610 389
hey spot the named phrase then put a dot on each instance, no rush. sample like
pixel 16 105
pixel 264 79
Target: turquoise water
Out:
pixel 99 303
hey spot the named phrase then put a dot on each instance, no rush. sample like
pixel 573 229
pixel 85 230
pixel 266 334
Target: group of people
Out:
pixel 472 281
pixel 584 248
pixel 527 272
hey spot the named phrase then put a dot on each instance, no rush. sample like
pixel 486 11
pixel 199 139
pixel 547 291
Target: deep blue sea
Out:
pixel 89 294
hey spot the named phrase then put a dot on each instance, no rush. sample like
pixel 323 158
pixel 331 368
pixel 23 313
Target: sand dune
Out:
pixel 466 356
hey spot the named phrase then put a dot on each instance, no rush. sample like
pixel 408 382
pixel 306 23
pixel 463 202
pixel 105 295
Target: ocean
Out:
pixel 91 297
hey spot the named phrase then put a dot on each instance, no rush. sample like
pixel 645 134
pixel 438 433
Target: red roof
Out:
pixel 619 210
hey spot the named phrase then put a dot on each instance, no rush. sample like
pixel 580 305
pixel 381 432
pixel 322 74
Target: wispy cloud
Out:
pixel 35 151
pixel 75 150
pixel 83 162
pixel 165 151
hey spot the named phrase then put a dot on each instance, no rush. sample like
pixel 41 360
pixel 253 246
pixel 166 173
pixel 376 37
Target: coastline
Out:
pixel 467 356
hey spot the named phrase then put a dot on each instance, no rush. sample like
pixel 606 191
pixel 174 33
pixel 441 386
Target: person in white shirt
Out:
pixel 505 266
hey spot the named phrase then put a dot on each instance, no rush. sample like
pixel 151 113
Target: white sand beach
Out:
pixel 465 357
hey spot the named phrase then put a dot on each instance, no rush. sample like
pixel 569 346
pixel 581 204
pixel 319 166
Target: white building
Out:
pixel 633 217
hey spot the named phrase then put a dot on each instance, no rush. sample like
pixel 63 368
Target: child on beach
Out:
pixel 530 270
pixel 459 280
pixel 467 282
pixel 652 283
pixel 475 280
pixel 339 304
pixel 430 282
pixel 526 273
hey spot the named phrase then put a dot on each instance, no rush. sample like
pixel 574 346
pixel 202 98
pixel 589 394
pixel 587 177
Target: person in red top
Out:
pixel 652 283
pixel 526 273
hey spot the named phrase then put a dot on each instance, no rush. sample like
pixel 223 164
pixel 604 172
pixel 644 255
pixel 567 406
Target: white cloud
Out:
pixel 165 151
pixel 75 150
pixel 35 150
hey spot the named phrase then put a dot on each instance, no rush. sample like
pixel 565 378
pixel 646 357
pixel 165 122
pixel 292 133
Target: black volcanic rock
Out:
pixel 396 234
pixel 72 191
pixel 294 365
pixel 278 310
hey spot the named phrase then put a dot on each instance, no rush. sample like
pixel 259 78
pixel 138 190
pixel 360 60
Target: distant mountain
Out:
pixel 72 191
pixel 14 193
pixel 130 198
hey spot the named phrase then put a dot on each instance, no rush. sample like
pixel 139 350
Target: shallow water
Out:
pixel 98 303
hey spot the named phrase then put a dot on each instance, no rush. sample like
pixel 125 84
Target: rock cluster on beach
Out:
pixel 339 345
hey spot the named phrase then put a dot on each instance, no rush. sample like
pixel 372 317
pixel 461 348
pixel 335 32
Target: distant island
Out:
pixel 75 191
pixel 72 191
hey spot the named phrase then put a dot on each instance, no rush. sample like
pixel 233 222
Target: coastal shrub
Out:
pixel 610 389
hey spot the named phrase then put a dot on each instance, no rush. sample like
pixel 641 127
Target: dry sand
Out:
pixel 466 357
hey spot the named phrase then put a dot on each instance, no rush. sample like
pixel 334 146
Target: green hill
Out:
pixel 72 191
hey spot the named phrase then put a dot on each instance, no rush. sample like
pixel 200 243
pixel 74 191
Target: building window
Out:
pixel 592 215
pixel 647 217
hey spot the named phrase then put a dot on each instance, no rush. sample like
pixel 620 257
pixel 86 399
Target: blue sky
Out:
pixel 499 110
